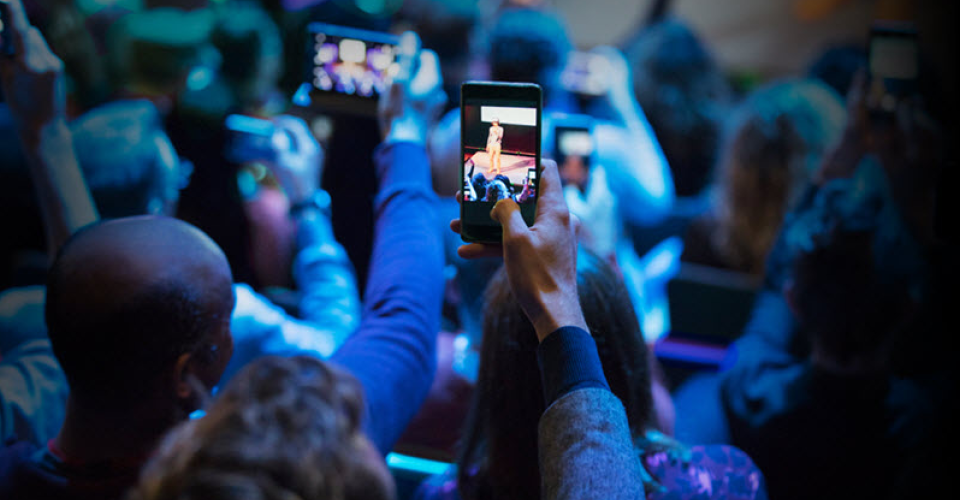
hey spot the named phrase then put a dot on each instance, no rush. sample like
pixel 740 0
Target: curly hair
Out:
pixel 283 428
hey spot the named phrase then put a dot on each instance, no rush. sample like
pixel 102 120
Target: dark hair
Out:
pixel 284 427
pixel 248 40
pixel 498 459
pixel 775 141
pixel 684 95
pixel 528 45
pixel 837 66
pixel 126 157
pixel 854 265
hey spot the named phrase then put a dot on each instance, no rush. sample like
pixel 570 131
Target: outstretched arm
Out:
pixel 33 86
pixel 629 151
pixel 393 352
pixel 584 440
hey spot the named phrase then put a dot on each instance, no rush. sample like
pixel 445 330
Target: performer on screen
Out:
pixel 494 138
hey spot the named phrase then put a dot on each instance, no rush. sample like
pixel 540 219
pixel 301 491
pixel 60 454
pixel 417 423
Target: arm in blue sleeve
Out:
pixel 393 352
pixel 325 278
pixel 569 361
pixel 33 393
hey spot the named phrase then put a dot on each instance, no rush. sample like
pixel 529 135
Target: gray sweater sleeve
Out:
pixel 586 451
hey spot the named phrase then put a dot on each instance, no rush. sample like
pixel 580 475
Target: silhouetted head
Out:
pixel 684 95
pixel 775 142
pixel 283 428
pixel 128 161
pixel 499 455
pixel 138 312
pixel 857 273
pixel 528 45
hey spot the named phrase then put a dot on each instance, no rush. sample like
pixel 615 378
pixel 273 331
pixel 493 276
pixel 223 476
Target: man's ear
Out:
pixel 790 297
pixel 182 373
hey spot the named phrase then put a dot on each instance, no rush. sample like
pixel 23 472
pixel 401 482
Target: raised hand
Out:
pixel 541 260
pixel 413 103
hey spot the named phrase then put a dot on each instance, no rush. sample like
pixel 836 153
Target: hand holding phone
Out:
pixel 285 144
pixel 893 59
pixel 500 129
pixel 541 260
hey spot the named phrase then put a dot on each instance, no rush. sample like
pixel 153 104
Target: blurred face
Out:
pixel 574 171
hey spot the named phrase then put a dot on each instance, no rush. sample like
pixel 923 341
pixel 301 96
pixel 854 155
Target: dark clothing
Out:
pixel 30 472
pixel 392 353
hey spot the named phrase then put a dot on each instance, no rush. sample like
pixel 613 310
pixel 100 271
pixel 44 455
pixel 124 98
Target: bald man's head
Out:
pixel 127 298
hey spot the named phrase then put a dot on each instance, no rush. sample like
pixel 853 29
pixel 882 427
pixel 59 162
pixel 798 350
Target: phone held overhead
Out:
pixel 500 153
pixel 347 69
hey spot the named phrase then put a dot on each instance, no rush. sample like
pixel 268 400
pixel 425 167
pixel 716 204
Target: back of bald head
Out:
pixel 127 297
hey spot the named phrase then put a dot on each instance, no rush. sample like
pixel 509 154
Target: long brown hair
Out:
pixel 775 141
pixel 498 458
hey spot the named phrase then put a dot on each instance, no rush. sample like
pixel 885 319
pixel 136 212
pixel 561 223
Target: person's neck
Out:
pixel 93 435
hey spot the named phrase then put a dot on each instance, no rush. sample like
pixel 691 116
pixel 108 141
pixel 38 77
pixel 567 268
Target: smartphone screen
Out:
pixel 251 139
pixel 894 63
pixel 500 145
pixel 6 44
pixel 573 151
pixel 586 74
pixel 348 68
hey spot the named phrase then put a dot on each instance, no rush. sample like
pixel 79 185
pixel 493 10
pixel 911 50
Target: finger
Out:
pixel 407 51
pixel 456 225
pixel 551 200
pixel 427 76
pixel 577 225
pixel 297 128
pixel 507 213
pixel 459 196
pixel 19 25
pixel 480 250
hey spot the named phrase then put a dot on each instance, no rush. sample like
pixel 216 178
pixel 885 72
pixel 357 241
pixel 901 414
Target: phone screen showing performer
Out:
pixel 500 145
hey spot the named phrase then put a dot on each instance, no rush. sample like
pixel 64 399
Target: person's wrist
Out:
pixel 563 312
pixel 36 134
pixel 317 202
pixel 407 128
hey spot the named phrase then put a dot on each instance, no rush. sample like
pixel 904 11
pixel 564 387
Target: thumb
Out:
pixel 507 213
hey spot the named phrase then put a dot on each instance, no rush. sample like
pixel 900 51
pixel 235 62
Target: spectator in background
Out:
pixel 775 141
pixel 838 66
pixel 156 379
pixel 498 456
pixel 841 412
pixel 684 95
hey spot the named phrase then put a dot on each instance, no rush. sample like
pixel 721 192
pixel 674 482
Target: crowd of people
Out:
pixel 191 311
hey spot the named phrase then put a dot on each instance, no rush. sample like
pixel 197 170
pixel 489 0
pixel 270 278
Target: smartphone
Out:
pixel 347 69
pixel 251 139
pixel 6 44
pixel 573 148
pixel 586 74
pixel 893 59
pixel 500 126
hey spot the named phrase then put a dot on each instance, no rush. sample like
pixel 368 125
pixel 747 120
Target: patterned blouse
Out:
pixel 706 472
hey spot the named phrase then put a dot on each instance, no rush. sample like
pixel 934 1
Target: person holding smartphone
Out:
pixel 494 145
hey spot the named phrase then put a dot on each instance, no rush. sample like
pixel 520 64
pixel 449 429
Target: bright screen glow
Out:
pixel 509 116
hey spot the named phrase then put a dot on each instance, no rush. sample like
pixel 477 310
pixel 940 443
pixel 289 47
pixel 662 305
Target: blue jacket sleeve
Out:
pixel 393 352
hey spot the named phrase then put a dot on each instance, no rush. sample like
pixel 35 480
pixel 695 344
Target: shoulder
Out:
pixel 707 471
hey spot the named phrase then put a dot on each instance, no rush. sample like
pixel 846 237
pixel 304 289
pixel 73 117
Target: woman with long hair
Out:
pixel 498 457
